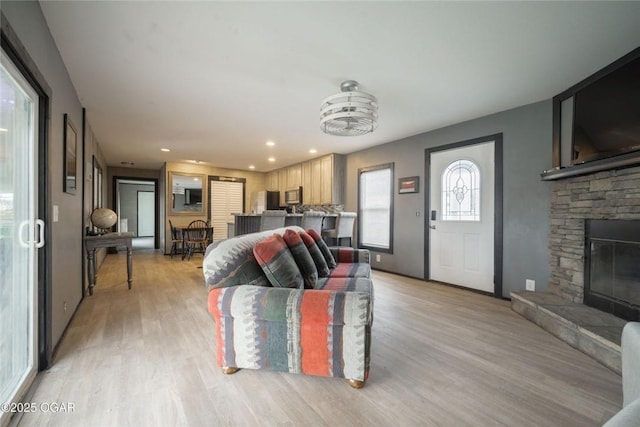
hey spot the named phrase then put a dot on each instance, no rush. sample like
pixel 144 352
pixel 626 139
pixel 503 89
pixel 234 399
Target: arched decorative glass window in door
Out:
pixel 461 191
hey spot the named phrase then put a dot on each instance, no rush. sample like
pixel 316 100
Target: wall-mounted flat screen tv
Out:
pixel 606 120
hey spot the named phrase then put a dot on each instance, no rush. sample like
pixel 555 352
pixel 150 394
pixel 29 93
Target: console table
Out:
pixel 91 243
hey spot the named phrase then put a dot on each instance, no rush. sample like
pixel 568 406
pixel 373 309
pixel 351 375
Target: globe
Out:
pixel 103 218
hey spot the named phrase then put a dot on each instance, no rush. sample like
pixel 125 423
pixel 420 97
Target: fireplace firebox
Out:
pixel 612 267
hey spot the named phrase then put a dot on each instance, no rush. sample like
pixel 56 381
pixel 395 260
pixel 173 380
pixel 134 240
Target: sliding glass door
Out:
pixel 21 233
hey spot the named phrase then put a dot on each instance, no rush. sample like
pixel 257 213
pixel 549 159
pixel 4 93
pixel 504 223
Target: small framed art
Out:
pixel 409 184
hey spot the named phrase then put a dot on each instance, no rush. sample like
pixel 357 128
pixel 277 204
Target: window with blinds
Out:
pixel 226 198
pixel 375 208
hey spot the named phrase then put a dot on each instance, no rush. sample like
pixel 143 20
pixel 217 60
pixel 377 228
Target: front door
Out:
pixel 21 234
pixel 461 220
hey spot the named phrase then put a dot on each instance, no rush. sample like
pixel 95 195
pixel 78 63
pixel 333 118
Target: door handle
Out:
pixel 21 241
pixel 40 228
pixel 433 227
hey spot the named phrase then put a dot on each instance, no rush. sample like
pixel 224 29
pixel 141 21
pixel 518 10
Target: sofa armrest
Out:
pixel 315 332
pixel 350 255
pixel 627 417
pixel 631 362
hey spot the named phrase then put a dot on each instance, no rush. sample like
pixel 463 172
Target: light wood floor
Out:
pixel 440 357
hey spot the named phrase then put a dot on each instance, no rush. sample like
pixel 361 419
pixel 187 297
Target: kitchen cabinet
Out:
pixel 272 181
pixel 306 183
pixel 294 176
pixel 322 180
pixel 282 185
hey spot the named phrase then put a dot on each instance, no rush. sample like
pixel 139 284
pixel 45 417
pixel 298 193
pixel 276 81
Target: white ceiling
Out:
pixel 213 81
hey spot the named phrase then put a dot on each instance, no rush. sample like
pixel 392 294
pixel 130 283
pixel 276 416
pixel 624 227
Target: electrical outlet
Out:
pixel 530 285
pixel 378 258
pixel 65 306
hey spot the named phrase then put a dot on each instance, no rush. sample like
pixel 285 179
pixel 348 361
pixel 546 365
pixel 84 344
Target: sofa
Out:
pixel 629 415
pixel 311 316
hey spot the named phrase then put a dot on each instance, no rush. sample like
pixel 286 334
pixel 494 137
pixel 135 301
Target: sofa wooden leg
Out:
pixel 356 383
pixel 228 370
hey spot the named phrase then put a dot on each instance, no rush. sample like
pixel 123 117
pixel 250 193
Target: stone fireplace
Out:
pixel 612 266
pixel 577 203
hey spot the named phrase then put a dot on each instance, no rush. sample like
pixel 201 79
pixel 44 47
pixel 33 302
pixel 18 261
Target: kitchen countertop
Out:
pixel 295 214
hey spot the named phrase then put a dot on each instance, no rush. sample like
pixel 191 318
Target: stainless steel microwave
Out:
pixel 293 196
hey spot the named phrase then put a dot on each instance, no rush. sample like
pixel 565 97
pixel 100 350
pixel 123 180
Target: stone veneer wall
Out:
pixel 611 194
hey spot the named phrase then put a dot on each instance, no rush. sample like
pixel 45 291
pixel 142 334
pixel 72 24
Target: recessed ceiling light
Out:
pixel 313 151
pixel 252 167
pixel 272 159
pixel 126 163
pixel 270 143
pixel 166 150
pixel 4 130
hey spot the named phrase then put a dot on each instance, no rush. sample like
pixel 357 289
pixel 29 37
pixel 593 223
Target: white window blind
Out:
pixel 226 199
pixel 376 210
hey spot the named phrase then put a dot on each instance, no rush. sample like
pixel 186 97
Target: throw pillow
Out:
pixel 277 262
pixel 322 245
pixel 318 259
pixel 302 257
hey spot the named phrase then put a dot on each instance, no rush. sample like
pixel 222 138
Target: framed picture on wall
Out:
pixel 408 185
pixel 70 159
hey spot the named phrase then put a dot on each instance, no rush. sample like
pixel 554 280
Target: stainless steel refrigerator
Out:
pixel 264 200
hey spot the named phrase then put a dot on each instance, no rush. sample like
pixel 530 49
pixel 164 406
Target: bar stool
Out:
pixel 313 219
pixel 344 228
pixel 272 219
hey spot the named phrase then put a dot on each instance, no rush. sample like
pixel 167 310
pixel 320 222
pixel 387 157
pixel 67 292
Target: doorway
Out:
pixel 137 205
pixel 463 225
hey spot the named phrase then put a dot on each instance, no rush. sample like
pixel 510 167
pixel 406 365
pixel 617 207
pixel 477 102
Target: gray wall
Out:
pixel 65 244
pixel 527 152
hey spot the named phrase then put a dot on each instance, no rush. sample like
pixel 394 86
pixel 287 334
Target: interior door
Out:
pixel 461 226
pixel 21 234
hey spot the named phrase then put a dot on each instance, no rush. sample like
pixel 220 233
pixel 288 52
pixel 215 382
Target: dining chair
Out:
pixel 313 219
pixel 197 237
pixel 345 222
pixel 176 240
pixel 198 223
pixel 272 219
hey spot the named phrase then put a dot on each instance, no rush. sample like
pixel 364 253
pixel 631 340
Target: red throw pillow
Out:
pixel 277 262
pixel 322 245
pixel 302 257
pixel 318 258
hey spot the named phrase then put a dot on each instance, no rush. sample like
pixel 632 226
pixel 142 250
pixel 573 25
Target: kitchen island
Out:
pixel 250 223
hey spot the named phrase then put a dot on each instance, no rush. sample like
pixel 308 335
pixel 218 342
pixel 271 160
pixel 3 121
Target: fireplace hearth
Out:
pixel 612 267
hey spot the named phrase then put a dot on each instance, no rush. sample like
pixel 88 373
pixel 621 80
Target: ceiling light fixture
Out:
pixel 349 113
pixel 252 167
pixel 166 150
pixel 313 151
pixel 272 159
pixel 270 143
